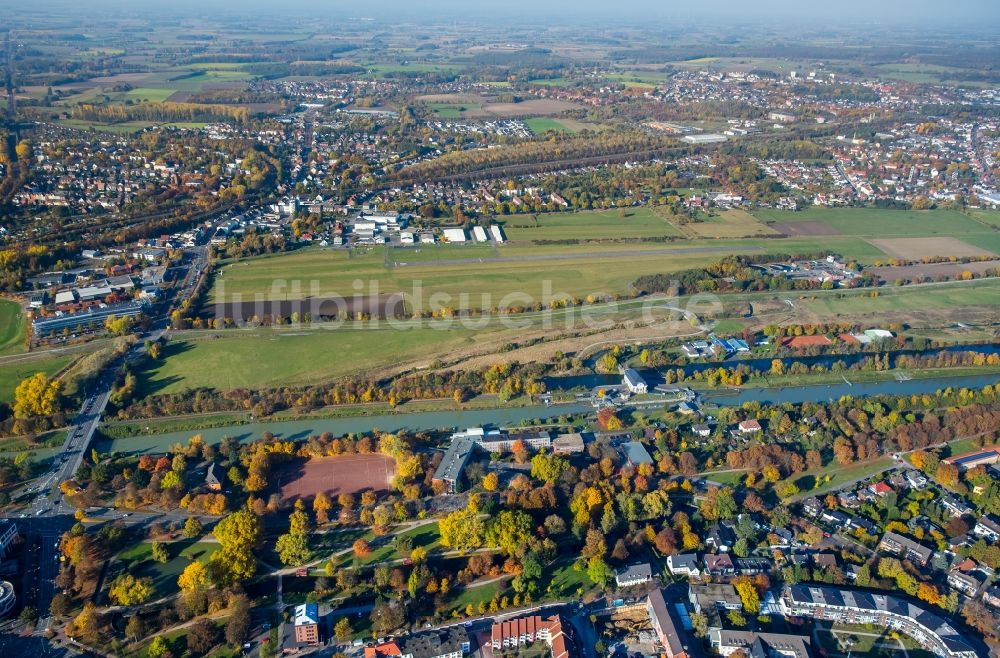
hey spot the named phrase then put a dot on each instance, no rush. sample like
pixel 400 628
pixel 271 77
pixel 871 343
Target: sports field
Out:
pixel 336 475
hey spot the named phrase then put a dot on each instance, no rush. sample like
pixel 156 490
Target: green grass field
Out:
pixel 814 483
pixel 539 125
pixel 425 536
pixel 13 325
pixel 451 110
pixel 590 225
pixel 244 359
pixel 581 271
pixel 137 560
pixel 12 374
pixel 984 292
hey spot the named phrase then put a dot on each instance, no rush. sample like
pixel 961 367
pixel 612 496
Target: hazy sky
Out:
pixel 980 13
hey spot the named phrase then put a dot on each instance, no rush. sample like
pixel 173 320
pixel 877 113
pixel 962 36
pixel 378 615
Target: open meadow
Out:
pixel 13 325
pixel 15 371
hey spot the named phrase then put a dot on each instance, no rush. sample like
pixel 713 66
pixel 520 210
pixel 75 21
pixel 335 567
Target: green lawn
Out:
pixel 539 125
pixel 984 292
pixel 13 325
pixel 730 479
pixel 263 359
pixel 575 270
pixel 137 560
pixel 475 595
pixel 451 110
pixel 814 483
pixel 643 222
pixel 561 579
pixel 13 373
pixel 425 536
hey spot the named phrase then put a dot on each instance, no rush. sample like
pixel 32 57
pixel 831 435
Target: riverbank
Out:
pixel 518 416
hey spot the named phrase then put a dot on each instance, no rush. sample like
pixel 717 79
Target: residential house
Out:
pixel 916 479
pixel 987 528
pixel 701 429
pixel 523 631
pixel 833 604
pixel 751 566
pixel 880 489
pixel 834 517
pixel 214 477
pixel 452 642
pixel 848 499
pixel 685 564
pixel 636 574
pixel 720 537
pixel 714 599
pixel 760 645
pixel 991 597
pixel 825 561
pixel 964 582
pixel 955 506
pixel 812 507
pixel 719 565
pixel 905 547
pixel 751 426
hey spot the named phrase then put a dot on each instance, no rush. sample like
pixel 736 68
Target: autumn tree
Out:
pixel 37 396
pixel 192 528
pixel 510 531
pixel 238 626
pixel 321 507
pixel 463 530
pixel 126 589
pixel 238 535
pixel 159 552
pixel 293 546
pixel 195 578
pixel 203 635
pixel 342 630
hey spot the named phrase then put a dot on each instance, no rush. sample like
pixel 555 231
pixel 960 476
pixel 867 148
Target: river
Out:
pixel 443 420
pixel 655 376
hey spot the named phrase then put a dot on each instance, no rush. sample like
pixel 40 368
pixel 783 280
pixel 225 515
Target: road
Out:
pixel 49 514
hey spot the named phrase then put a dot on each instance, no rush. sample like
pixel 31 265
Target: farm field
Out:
pixel 919 248
pixel 13 325
pixel 879 223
